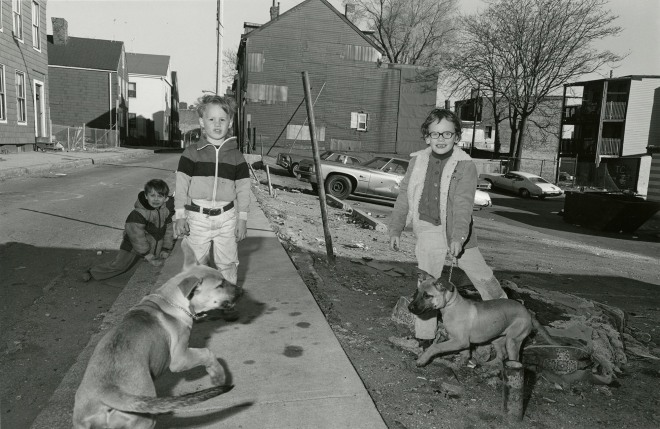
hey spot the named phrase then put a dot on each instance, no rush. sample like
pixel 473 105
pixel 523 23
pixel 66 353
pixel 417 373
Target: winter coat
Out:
pixel 147 229
pixel 457 188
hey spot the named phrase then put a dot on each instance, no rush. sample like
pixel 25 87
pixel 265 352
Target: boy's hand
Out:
pixel 241 229
pixel 164 254
pixel 153 260
pixel 181 227
pixel 394 243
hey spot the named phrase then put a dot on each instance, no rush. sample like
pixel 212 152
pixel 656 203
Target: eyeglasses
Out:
pixel 436 135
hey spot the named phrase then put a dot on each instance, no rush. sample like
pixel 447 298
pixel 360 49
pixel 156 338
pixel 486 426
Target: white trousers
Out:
pixel 431 251
pixel 219 231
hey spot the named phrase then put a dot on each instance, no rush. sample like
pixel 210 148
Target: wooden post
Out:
pixel 513 382
pixel 317 165
pixel 271 191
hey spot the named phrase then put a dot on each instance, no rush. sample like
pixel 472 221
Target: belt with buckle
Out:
pixel 211 212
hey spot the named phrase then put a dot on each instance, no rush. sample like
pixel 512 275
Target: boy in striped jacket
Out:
pixel 213 189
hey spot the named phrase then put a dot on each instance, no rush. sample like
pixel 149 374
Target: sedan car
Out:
pixel 524 184
pixel 380 178
pixel 292 162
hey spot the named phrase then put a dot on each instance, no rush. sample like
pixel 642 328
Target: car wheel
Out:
pixel 338 186
pixel 524 193
pixel 294 170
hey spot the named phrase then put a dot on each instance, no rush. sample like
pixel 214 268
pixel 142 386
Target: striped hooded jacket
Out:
pixel 147 229
pixel 207 173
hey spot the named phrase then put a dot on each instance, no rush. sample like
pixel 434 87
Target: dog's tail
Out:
pixel 541 331
pixel 161 405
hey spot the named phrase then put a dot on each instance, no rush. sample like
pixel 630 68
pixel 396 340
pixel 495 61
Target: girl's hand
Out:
pixel 181 227
pixel 455 248
pixel 241 229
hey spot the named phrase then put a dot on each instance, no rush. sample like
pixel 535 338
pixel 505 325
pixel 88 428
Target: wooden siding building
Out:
pixel 608 126
pixel 361 104
pixel 24 115
pixel 88 81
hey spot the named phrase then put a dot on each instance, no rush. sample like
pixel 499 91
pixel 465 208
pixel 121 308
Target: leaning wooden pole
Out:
pixel 317 166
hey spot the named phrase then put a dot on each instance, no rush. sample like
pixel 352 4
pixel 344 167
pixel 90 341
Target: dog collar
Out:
pixel 171 304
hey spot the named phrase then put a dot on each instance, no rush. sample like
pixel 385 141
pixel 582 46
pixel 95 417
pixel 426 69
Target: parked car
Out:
pixel 379 178
pixel 481 200
pixel 523 184
pixel 292 162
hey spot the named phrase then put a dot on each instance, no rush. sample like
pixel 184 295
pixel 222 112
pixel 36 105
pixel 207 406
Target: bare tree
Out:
pixel 229 66
pixel 408 31
pixel 523 50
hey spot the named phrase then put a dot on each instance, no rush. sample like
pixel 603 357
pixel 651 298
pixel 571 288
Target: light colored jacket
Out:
pixel 457 188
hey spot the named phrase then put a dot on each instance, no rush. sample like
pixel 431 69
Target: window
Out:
pixel 21 112
pixel 3 95
pixel 36 22
pixel 489 132
pixel 132 90
pixel 359 121
pixel 17 21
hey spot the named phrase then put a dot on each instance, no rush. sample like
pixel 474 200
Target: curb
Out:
pixel 57 412
pixel 67 165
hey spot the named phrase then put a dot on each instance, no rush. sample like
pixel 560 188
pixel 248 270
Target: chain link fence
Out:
pixel 544 167
pixel 85 138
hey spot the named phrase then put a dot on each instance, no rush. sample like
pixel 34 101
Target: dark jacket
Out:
pixel 147 229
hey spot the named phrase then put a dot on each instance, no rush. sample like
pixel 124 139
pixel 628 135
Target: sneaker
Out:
pixel 86 276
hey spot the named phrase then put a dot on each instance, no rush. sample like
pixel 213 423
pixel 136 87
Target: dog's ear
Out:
pixel 422 275
pixel 189 259
pixel 441 285
pixel 188 285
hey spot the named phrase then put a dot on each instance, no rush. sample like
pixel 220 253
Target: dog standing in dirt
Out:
pixel 117 389
pixel 505 321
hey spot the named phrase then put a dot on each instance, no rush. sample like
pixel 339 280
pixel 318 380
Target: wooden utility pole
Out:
pixel 317 166
pixel 474 123
pixel 219 33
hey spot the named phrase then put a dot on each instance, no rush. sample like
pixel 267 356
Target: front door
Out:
pixel 39 118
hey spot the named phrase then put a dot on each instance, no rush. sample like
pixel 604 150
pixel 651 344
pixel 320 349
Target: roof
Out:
pixel 300 5
pixel 629 77
pixel 156 65
pixel 81 52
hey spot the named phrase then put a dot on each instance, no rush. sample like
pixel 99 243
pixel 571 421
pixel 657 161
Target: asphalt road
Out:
pixel 54 227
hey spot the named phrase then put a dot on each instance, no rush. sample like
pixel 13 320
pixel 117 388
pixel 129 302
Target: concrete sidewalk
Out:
pixel 30 163
pixel 288 368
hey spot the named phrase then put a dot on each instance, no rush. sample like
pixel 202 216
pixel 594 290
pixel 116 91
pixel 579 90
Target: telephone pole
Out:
pixel 219 33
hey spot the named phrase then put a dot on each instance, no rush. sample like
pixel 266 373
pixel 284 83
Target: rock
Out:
pixel 401 315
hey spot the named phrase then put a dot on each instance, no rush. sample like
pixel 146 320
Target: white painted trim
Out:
pixel 82 68
pixel 43 106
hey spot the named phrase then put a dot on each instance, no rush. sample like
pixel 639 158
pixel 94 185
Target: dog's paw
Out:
pixel 217 373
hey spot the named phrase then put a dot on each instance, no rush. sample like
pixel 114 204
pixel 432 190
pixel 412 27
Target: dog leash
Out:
pixel 451 268
pixel 193 316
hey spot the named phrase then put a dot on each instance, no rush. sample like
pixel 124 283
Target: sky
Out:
pixel 186 31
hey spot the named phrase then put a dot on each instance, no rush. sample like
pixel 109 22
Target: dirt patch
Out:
pixel 359 291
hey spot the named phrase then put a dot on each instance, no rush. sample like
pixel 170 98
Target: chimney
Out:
pixel 349 10
pixel 60 31
pixel 274 10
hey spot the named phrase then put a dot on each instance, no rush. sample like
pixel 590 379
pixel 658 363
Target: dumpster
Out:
pixel 605 211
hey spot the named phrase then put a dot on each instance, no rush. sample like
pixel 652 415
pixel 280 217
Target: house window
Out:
pixel 21 111
pixel 132 90
pixel 256 62
pixel 17 21
pixel 36 22
pixel 3 95
pixel 269 94
pixel 359 121
pixel 489 132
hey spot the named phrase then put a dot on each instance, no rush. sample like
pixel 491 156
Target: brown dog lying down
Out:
pixel 117 390
pixel 505 321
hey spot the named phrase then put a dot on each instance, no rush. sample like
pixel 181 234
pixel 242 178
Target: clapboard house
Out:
pixel 360 103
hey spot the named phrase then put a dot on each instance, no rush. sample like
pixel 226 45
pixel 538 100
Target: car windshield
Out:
pixel 329 156
pixel 538 180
